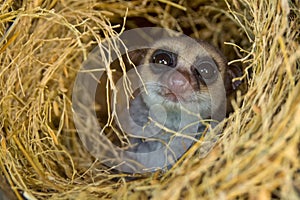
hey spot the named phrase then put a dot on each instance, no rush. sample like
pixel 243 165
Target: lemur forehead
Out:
pixel 184 47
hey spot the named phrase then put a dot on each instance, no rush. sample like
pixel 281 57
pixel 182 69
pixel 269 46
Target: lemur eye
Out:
pixel 206 72
pixel 164 57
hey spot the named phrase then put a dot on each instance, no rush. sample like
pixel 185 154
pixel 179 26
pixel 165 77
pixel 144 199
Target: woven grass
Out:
pixel 42 47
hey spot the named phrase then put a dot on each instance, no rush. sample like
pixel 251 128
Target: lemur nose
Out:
pixel 178 82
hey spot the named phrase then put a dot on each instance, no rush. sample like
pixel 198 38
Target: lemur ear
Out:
pixel 132 58
pixel 136 56
pixel 232 72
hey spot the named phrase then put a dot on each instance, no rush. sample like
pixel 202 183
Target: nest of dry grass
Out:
pixel 43 44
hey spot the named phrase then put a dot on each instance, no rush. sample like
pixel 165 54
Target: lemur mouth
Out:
pixel 172 97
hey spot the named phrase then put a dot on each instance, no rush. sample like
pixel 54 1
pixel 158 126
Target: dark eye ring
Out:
pixel 207 72
pixel 164 57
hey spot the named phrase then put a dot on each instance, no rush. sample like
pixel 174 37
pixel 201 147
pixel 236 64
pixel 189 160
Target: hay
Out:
pixel 42 47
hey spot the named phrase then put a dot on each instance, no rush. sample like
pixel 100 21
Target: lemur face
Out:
pixel 179 72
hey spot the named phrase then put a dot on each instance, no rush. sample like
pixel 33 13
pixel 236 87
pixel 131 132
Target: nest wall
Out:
pixel 42 47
